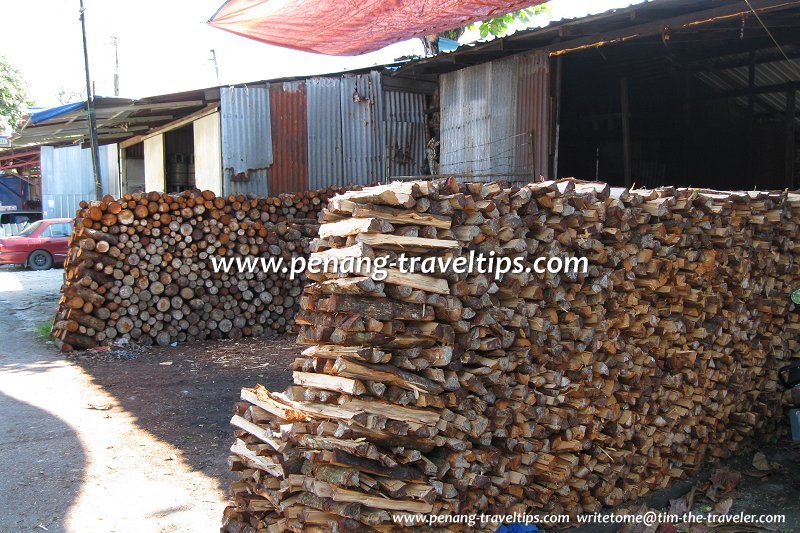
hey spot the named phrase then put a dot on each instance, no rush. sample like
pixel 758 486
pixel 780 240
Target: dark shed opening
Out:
pixel 706 105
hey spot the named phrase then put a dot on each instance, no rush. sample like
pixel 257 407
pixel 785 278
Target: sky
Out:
pixel 165 46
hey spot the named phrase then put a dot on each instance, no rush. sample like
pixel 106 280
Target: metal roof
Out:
pixel 650 19
pixel 117 119
pixel 124 119
pixel 734 78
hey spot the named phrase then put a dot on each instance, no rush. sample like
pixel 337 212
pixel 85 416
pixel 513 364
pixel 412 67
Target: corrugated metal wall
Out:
pixel 359 133
pixel 405 132
pixel 68 177
pixel 324 126
pixel 289 172
pixel 533 109
pixel 246 139
pixel 504 143
pixel 484 129
pixel 465 100
pixel 323 131
pixel 362 131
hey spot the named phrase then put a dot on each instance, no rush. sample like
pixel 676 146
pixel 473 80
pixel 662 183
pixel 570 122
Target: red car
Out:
pixel 39 246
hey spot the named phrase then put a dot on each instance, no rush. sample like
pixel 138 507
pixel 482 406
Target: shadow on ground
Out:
pixel 184 395
pixel 46 477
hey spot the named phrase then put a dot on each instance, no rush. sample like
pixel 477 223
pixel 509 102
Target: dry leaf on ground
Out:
pixel 723 480
pixel 761 462
pixel 723 506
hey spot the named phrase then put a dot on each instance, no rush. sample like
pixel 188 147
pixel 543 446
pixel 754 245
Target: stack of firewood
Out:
pixel 140 267
pixel 459 393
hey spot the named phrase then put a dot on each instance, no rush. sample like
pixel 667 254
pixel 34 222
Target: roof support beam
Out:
pixel 9 166
pixel 171 126
pixel 20 155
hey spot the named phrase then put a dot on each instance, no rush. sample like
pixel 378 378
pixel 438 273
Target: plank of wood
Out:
pixel 386 374
pixel 240 448
pixel 378 308
pixel 395 412
pixel 294 411
pixel 327 382
pixel 353 226
pixel 257 431
pixel 397 242
pixel 362 285
pixel 397 216
pixel 334 351
pixel 339 494
pixel 421 282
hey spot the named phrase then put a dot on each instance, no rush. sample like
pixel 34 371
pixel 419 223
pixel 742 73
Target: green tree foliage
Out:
pixel 498 26
pixel 12 95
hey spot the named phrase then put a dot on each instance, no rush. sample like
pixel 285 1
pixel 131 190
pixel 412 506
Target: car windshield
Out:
pixel 30 229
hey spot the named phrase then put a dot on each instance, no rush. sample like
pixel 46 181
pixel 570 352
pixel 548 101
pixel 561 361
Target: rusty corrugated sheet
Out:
pixel 289 171
pixel 324 127
pixel 405 132
pixel 489 113
pixel 246 139
pixel 533 110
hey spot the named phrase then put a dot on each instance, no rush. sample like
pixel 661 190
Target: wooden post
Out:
pixel 626 130
pixel 790 145
pixel 556 114
pixel 751 103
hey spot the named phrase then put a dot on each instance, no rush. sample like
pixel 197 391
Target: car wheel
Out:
pixel 40 260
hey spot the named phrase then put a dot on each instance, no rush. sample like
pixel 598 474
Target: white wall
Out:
pixel 154 163
pixel 208 154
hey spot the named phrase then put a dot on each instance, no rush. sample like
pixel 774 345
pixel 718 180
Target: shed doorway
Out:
pixel 179 159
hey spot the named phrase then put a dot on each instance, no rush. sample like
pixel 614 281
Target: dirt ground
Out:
pixel 184 395
pixel 134 441
pixel 137 440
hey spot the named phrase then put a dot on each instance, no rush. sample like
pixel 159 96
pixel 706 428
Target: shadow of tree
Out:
pixel 42 465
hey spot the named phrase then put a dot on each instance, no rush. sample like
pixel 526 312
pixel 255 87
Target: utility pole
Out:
pixel 98 187
pixel 115 42
pixel 214 60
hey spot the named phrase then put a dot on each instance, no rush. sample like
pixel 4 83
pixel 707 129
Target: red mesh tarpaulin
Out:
pixel 345 27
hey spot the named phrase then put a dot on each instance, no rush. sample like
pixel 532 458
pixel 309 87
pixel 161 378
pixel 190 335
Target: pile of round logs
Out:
pixel 449 393
pixel 140 267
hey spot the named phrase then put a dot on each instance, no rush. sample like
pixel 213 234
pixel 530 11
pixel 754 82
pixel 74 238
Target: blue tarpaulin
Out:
pixel 13 191
pixel 53 112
